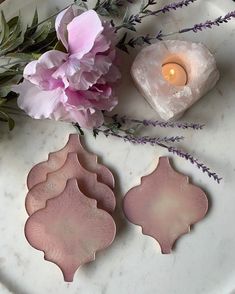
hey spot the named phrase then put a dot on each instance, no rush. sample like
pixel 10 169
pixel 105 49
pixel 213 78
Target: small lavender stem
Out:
pixel 193 161
pixel 157 123
pixel 137 18
pixel 140 140
pixel 209 23
pixel 123 44
pixel 171 149
pixel 169 7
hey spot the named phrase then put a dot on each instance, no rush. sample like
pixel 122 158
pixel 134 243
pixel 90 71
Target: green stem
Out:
pixel 11 108
pixel 53 15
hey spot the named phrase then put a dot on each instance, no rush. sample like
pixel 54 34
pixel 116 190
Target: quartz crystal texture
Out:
pixel 165 204
pixel 170 101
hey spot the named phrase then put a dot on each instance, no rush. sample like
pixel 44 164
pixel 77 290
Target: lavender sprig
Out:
pixel 171 149
pixel 131 21
pixel 209 24
pixel 133 42
pixel 157 123
pixel 194 161
pixel 138 140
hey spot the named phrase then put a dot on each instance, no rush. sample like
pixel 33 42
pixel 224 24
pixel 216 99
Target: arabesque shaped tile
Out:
pixel 57 159
pixel 56 182
pixel 165 204
pixel 70 230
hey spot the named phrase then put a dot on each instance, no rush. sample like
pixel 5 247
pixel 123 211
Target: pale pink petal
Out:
pixel 70 230
pixel 53 59
pixel 165 205
pixel 91 69
pixel 61 23
pixel 40 72
pixel 37 103
pixel 56 182
pixel 99 97
pixel 112 76
pixel 57 159
pixel 82 79
pixel 83 31
pixel 87 118
pixel 106 40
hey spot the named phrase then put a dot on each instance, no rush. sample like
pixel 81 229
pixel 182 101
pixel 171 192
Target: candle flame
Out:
pixel 172 72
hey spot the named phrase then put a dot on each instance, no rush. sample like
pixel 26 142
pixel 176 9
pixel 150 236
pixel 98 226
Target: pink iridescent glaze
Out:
pixel 56 160
pixel 56 182
pixel 165 205
pixel 70 230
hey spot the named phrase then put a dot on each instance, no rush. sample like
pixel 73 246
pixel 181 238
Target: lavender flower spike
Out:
pixel 209 23
pixel 194 161
pixel 157 123
pixel 139 140
pixel 173 6
pixel 162 143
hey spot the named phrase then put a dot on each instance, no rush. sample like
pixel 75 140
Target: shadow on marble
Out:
pixel 11 285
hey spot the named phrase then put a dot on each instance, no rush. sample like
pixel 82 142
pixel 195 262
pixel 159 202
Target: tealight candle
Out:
pixel 174 74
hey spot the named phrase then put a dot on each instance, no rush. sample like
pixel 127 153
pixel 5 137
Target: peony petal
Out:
pixel 87 118
pixel 61 23
pixel 56 182
pixel 40 72
pixel 57 159
pixel 89 70
pixel 82 32
pixel 53 59
pixel 70 230
pixel 111 77
pixel 37 103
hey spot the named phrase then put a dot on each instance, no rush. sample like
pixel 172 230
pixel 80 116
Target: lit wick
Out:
pixel 174 74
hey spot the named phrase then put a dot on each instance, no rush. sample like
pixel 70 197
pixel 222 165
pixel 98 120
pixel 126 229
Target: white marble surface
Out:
pixel 203 261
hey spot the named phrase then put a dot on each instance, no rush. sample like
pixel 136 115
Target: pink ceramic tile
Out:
pixel 70 230
pixel 57 159
pixel 56 182
pixel 165 205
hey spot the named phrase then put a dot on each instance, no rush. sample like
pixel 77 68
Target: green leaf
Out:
pixel 45 45
pixel 60 47
pixel 4 91
pixel 13 46
pixel 103 11
pixel 32 29
pixel 17 30
pixel 35 20
pixel 12 23
pixel 81 3
pixel 77 126
pixel 4 28
pixel 3 101
pixel 27 57
pixel 42 33
pixel 8 119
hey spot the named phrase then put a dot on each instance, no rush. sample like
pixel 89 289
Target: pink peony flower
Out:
pixel 77 85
